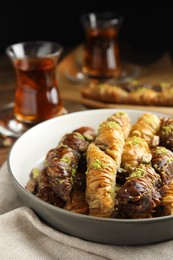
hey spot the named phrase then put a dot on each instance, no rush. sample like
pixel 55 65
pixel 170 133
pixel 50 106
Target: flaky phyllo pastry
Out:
pixel 100 182
pixel 119 170
pixel 147 127
pixel 131 93
pixel 104 154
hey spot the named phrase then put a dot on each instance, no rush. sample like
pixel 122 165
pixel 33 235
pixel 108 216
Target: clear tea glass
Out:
pixel 101 52
pixel 37 96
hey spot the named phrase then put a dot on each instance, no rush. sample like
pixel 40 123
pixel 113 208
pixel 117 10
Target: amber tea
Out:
pixel 101 56
pixel 37 96
pixel 101 52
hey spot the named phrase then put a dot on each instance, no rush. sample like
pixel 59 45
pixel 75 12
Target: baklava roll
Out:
pixel 77 203
pixel 165 97
pixel 110 138
pixel 105 93
pixel 62 162
pixel 142 96
pixel 123 119
pixel 166 206
pixel 147 127
pixel 136 151
pixel 140 194
pixel 100 182
pixel 79 139
pixel 162 162
pixel 61 165
pixel 166 133
pixel 45 192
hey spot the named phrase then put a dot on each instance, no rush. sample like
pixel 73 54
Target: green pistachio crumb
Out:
pixel 167 129
pixel 35 173
pixel 65 159
pixel 96 164
pixel 161 150
pixel 110 124
pixel 73 171
pixel 134 141
pixel 137 173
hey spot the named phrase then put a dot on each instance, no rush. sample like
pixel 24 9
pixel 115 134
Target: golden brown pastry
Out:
pixel 142 96
pixel 132 92
pixel 105 92
pixel 110 139
pixel 165 96
pixel 100 182
pixel 136 151
pixel 147 127
pixel 123 119
pixel 105 153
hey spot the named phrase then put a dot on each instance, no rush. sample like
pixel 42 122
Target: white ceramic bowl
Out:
pixel 30 149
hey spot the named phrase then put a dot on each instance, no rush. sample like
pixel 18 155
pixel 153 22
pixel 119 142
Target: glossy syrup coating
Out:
pixel 140 194
pixel 166 133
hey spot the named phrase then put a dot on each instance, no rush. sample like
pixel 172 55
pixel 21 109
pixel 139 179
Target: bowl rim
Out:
pixel 70 213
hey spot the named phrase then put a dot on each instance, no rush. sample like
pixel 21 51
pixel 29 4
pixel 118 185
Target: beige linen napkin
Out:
pixel 24 236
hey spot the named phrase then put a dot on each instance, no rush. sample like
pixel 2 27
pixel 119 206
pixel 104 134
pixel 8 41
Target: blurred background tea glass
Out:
pixel 37 96
pixel 101 50
pixel 101 54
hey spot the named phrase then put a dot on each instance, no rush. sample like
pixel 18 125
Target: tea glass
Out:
pixel 37 96
pixel 101 50
pixel 100 59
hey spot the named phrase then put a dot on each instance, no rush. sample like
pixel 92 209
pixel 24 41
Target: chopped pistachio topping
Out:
pixel 61 180
pixel 170 160
pixel 135 141
pixel 120 114
pixel 137 173
pixel 65 159
pixel 167 129
pixel 161 150
pixel 110 124
pixel 97 164
pixel 73 172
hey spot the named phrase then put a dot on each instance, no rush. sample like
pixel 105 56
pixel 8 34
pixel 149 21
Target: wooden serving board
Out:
pixel 96 104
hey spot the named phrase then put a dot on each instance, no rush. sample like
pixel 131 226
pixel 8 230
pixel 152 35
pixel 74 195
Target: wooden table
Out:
pixel 162 70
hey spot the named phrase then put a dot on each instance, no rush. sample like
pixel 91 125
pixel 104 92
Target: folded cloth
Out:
pixel 24 236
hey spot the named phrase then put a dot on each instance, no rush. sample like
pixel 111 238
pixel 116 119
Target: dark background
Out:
pixel 147 29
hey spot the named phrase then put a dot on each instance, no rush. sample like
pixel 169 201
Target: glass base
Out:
pixel 12 127
pixel 129 72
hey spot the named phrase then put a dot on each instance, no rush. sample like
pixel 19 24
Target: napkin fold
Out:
pixel 24 236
